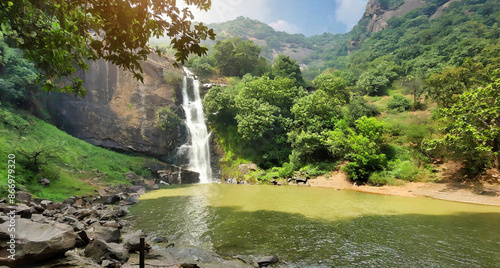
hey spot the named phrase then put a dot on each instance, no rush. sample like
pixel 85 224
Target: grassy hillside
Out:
pixel 73 166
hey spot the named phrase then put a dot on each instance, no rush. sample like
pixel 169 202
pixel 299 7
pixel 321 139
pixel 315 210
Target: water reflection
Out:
pixel 325 227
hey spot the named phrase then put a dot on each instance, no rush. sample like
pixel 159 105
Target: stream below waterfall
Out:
pixel 316 227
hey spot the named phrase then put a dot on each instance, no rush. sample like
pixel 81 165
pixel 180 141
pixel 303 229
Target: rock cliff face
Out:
pixel 378 14
pixel 118 111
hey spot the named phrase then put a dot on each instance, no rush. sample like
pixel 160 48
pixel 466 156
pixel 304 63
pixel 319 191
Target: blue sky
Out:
pixel 294 16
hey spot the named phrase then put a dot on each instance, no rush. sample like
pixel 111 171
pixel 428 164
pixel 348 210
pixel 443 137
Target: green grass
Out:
pixel 72 162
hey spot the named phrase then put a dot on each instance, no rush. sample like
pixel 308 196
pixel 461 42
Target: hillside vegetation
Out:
pixel 383 111
pixel 73 167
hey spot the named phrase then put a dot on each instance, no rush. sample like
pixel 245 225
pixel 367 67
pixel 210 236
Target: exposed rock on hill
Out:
pixel 118 111
pixel 378 12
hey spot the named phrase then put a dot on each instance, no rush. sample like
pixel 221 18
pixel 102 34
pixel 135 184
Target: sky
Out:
pixel 308 17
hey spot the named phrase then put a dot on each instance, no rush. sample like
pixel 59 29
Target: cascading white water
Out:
pixel 197 148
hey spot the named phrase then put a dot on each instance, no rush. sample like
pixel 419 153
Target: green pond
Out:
pixel 323 227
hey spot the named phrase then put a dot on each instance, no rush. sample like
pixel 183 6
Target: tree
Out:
pixel 473 128
pixel 283 66
pixel 334 85
pixel 59 36
pixel 16 74
pixel 235 57
pixel 361 146
pixel 264 118
pixel 314 115
pixel 357 108
pixel 372 84
pixel 446 85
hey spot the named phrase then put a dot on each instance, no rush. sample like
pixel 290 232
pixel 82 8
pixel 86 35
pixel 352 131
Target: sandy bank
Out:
pixel 477 193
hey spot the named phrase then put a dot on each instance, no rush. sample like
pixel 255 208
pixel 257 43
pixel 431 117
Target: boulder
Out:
pixel 83 213
pixel 83 238
pixel 70 211
pixel 77 226
pixel 178 175
pixel 135 189
pixel 44 203
pixel 107 234
pixel 38 218
pixel 36 242
pixel 133 241
pixel 70 200
pixel 112 224
pixel 99 250
pixel 55 206
pixel 265 261
pixel 132 200
pixel 245 168
pixel 112 200
pixel 38 208
pixel 79 202
pixel 23 196
pixel 24 211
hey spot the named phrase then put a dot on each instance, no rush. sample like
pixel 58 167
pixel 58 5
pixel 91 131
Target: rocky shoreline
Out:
pixel 94 231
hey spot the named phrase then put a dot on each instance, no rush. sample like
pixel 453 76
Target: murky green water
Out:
pixel 324 227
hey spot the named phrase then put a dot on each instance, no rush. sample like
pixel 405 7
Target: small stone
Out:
pixel 112 200
pixel 77 226
pixel 70 219
pixel 70 200
pixel 159 240
pixel 70 211
pixel 112 224
pixel 267 260
pixel 44 181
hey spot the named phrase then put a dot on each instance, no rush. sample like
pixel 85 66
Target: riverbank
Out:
pixel 484 193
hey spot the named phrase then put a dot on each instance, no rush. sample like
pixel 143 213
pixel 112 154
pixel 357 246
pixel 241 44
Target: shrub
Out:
pixel 398 103
pixel 404 170
pixel 173 77
pixel 166 119
pixel 381 178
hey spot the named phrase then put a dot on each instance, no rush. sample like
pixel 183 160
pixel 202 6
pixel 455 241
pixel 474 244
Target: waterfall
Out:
pixel 197 147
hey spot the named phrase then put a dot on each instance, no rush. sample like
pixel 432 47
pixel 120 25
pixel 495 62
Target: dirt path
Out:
pixel 486 193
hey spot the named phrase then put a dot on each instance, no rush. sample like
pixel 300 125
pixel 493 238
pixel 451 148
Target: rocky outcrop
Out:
pixel 99 250
pixel 51 229
pixel 118 111
pixel 177 175
pixel 378 14
pixel 36 242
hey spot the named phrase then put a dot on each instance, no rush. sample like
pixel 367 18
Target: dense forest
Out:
pixel 422 90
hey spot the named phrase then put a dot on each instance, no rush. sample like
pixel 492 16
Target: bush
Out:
pixel 358 108
pixel 420 106
pixel 173 77
pixel 404 170
pixel 398 103
pixel 166 119
pixel 381 178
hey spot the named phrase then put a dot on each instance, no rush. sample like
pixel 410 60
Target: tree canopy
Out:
pixel 235 57
pixel 59 36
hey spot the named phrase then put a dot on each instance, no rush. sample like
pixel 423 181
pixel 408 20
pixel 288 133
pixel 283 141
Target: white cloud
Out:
pixel 348 12
pixel 285 26
pixel 224 10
